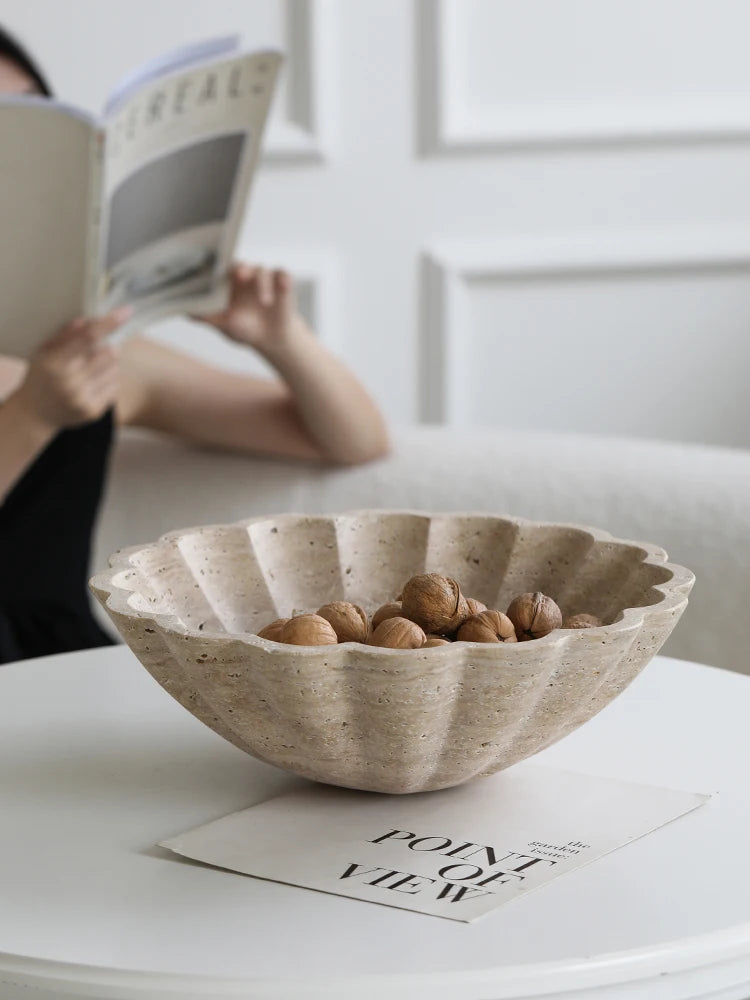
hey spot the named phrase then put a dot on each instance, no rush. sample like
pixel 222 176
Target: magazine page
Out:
pixel 459 853
pixel 47 174
pixel 180 155
pixel 188 56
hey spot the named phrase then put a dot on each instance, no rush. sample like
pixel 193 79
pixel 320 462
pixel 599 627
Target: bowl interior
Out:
pixel 234 579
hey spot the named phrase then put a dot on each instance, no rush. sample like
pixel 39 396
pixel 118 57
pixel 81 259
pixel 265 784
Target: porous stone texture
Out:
pixel 387 720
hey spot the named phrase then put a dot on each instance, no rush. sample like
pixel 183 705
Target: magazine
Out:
pixel 141 207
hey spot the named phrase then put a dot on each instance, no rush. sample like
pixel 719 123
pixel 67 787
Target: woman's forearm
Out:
pixel 333 405
pixel 22 437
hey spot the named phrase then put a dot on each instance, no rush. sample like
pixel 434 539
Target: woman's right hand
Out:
pixel 73 378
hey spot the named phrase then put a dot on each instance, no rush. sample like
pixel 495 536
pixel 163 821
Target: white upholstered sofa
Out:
pixel 692 500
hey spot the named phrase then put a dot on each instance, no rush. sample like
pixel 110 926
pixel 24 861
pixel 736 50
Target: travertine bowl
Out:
pixel 381 719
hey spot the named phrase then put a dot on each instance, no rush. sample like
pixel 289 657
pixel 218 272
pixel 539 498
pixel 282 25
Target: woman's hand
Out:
pixel 72 379
pixel 320 407
pixel 261 311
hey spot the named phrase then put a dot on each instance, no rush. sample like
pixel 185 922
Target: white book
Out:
pixel 140 207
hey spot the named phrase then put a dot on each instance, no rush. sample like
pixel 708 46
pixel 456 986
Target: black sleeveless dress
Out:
pixel 46 523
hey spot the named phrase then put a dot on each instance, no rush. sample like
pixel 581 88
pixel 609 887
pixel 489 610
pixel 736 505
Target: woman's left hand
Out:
pixel 261 311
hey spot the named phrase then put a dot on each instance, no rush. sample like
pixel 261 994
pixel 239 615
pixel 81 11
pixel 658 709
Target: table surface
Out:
pixel 98 764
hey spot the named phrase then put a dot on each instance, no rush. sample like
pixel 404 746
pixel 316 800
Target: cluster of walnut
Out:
pixel 430 611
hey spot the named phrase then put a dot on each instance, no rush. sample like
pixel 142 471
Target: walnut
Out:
pixel 487 626
pixel 308 630
pixel 273 630
pixel 349 621
pixel 475 607
pixel 397 633
pixel 534 615
pixel 435 602
pixel 391 610
pixel 582 621
pixel 435 640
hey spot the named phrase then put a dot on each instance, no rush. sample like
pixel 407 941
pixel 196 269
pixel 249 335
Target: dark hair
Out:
pixel 14 52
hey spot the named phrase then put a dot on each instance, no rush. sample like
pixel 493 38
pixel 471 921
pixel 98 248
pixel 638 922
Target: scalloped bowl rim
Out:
pixel 117 597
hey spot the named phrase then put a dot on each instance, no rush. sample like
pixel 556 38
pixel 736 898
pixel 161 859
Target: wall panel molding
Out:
pixel 445 133
pixel 449 272
pixel 299 134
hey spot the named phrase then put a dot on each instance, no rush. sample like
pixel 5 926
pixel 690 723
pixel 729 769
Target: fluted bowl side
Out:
pixel 379 719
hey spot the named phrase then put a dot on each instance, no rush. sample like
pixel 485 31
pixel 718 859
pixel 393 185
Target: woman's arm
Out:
pixel 168 391
pixel 318 410
pixel 334 407
pixel 70 380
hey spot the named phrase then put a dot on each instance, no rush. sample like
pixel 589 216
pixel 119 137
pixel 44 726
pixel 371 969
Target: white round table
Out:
pixel 98 764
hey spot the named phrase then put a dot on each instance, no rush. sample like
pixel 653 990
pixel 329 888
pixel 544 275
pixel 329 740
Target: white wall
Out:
pixel 534 213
